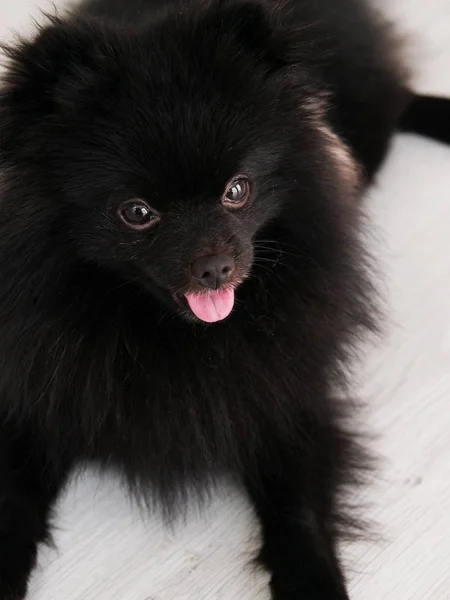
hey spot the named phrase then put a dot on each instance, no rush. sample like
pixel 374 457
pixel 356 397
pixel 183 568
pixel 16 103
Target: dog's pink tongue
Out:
pixel 213 306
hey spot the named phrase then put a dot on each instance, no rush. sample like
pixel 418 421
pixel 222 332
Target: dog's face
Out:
pixel 162 151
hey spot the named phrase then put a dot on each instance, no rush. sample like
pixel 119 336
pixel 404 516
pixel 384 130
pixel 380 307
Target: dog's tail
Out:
pixel 428 116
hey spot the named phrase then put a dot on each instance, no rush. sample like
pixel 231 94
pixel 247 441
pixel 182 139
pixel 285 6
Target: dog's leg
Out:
pixel 29 484
pixel 293 492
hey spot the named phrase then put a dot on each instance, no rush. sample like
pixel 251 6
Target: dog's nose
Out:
pixel 212 271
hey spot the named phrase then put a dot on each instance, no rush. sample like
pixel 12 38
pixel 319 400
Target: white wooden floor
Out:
pixel 107 552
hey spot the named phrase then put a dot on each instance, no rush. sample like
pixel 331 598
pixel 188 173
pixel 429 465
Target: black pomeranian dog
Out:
pixel 182 279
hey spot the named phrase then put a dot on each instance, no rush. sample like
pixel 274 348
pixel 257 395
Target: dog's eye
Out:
pixel 237 193
pixel 137 214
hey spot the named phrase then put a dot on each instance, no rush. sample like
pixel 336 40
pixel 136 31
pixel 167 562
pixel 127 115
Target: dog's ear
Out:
pixel 58 69
pixel 60 73
pixel 252 26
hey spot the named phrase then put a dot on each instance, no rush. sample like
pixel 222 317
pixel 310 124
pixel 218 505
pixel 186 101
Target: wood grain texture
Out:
pixel 107 550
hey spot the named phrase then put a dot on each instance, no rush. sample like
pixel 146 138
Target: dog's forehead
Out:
pixel 182 146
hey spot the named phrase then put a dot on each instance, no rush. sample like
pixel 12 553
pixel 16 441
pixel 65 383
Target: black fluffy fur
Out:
pixel 167 101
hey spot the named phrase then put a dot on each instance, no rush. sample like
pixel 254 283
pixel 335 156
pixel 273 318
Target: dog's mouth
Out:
pixel 210 306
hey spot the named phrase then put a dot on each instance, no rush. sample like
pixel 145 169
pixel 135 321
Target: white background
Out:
pixel 108 551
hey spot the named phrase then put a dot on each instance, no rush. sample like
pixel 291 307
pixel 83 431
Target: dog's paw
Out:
pixel 306 590
pixel 12 591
